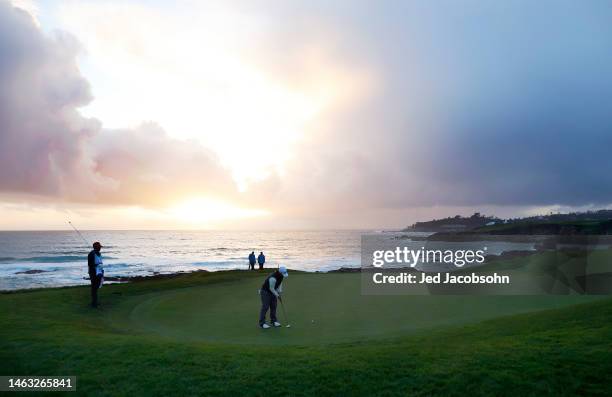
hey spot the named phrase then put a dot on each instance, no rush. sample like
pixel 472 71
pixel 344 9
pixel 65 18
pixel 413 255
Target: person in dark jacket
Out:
pixel 94 265
pixel 270 293
pixel 252 260
pixel 261 259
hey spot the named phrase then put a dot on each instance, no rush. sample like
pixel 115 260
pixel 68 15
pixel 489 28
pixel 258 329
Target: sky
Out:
pixel 300 114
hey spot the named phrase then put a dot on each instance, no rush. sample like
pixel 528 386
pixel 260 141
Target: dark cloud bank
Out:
pixel 481 103
pixel 504 103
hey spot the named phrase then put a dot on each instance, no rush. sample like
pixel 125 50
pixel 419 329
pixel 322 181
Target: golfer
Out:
pixel 271 292
pixel 96 272
pixel 252 260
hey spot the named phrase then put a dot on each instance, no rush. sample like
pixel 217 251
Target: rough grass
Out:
pixel 421 346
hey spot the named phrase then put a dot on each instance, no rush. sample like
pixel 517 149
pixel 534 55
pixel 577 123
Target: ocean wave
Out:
pixel 50 259
pixel 56 259
pixel 123 265
pixel 66 252
pixel 211 263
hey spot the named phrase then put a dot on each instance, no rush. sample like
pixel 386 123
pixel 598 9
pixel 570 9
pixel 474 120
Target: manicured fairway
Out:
pixel 197 335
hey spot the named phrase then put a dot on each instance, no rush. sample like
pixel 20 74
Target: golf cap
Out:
pixel 283 271
pixel 97 244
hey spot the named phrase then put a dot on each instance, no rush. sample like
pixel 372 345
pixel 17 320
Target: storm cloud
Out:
pixel 47 148
pixel 479 103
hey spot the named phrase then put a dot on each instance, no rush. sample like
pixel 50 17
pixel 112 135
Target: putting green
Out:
pixel 196 334
pixel 322 308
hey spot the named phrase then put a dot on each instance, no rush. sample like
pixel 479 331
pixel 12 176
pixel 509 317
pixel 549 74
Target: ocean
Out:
pixel 62 255
pixel 59 258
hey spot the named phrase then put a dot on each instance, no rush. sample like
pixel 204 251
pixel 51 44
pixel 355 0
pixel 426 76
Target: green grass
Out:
pixel 197 335
pixel 586 227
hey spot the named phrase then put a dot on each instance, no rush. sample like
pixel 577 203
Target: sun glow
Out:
pixel 204 75
pixel 202 211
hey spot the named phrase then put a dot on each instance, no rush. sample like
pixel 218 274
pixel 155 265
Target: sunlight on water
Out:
pixel 62 256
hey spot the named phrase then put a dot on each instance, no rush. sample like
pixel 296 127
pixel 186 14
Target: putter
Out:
pixel 285 314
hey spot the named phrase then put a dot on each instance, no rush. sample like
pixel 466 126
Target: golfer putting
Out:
pixel 270 294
